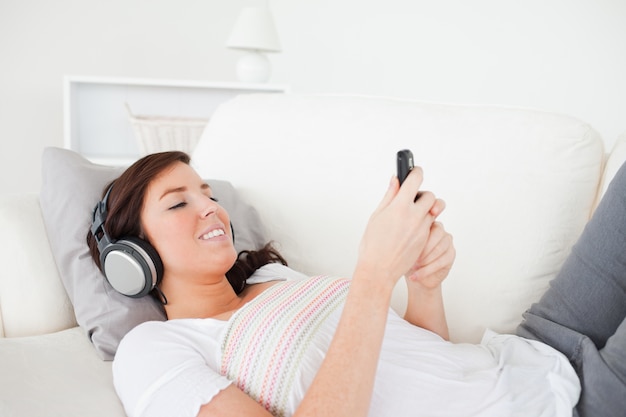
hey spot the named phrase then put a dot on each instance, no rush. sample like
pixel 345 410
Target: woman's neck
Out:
pixel 198 299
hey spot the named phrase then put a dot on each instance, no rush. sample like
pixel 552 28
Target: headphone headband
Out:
pixel 100 212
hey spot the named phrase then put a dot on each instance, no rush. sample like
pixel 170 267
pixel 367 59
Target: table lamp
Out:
pixel 254 32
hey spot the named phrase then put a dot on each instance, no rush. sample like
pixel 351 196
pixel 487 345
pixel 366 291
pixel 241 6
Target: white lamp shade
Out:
pixel 254 30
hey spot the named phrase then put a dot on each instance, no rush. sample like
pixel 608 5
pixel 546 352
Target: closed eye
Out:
pixel 214 199
pixel 179 205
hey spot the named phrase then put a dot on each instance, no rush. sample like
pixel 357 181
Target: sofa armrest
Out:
pixel 32 297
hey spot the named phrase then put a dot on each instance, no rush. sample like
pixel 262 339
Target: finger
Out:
pixel 411 185
pixel 425 203
pixel 438 207
pixel 443 246
pixel 438 244
pixel 440 265
pixel 437 234
pixel 391 192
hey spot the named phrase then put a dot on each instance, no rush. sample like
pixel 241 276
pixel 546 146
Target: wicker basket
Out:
pixel 162 133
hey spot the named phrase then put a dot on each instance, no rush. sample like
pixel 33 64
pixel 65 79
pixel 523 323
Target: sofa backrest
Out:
pixel 615 159
pixel 32 298
pixel 519 186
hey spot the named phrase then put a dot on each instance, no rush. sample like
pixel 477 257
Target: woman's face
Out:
pixel 189 230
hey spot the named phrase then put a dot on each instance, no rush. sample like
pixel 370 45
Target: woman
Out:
pixel 320 346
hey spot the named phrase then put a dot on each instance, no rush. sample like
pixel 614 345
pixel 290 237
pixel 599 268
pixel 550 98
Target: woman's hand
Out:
pixel 435 262
pixel 425 306
pixel 398 229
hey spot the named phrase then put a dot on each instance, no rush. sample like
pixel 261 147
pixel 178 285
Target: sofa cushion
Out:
pixel 32 297
pixel 519 187
pixel 57 374
pixel 71 188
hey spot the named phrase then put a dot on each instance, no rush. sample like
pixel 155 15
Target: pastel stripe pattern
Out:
pixel 267 339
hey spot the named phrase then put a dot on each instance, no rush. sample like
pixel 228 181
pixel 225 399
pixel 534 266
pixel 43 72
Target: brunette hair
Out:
pixel 124 205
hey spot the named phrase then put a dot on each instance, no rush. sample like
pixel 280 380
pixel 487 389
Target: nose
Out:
pixel 208 207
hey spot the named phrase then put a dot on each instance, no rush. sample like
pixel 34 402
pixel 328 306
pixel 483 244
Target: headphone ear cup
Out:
pixel 132 266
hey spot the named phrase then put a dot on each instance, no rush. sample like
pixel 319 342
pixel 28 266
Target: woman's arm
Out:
pixel 397 230
pixel 425 306
pixel 233 402
pixel 425 309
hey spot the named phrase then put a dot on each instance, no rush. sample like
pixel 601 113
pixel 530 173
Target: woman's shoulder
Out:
pixel 151 330
pixel 189 327
pixel 275 272
pixel 170 337
pixel 156 359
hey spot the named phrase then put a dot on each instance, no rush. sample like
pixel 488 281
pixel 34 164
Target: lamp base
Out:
pixel 253 67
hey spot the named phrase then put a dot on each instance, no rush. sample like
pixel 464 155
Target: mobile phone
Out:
pixel 405 164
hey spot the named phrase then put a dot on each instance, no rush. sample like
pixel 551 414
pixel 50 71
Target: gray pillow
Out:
pixel 71 187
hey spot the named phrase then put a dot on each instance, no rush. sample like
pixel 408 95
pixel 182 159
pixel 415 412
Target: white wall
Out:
pixel 41 41
pixel 567 56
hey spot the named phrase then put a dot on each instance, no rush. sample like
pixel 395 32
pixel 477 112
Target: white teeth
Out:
pixel 212 233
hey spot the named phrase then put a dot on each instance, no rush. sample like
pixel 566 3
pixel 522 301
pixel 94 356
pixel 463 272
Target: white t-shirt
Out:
pixel 174 367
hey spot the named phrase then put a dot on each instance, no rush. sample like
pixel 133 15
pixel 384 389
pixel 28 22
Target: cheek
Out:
pixel 166 238
pixel 225 219
pixel 173 253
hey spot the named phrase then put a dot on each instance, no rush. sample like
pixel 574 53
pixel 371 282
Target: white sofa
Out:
pixel 519 186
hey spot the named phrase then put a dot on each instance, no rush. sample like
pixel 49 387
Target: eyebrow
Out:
pixel 203 186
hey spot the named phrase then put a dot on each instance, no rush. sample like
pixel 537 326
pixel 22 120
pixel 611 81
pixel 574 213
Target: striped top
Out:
pixel 266 340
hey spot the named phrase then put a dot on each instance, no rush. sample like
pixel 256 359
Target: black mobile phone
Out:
pixel 405 164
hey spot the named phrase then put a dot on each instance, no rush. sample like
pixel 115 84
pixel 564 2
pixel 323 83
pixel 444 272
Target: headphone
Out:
pixel 130 264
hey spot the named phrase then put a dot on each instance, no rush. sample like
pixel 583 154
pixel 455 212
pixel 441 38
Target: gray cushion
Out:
pixel 71 187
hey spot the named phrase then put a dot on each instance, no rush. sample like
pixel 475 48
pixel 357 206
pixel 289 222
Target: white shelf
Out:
pixel 96 122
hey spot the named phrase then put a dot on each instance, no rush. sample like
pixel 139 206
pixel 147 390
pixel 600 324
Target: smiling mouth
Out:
pixel 212 234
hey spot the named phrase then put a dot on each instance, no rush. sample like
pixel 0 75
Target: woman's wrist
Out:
pixel 376 277
pixel 420 294
pixel 425 309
